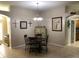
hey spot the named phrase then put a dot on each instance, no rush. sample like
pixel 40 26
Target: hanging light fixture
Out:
pixel 37 18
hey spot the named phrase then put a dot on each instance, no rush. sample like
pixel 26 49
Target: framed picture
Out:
pixel 23 24
pixel 57 24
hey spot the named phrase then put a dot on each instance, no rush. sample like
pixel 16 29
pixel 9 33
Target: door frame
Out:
pixel 8 28
pixel 68 30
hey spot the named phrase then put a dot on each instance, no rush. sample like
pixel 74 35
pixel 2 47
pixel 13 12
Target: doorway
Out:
pixel 73 31
pixel 77 30
pixel 76 44
pixel 5 32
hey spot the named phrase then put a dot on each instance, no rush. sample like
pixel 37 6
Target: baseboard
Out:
pixel 55 44
pixel 50 44
pixel 19 46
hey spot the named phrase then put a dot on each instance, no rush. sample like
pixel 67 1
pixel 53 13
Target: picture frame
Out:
pixel 23 24
pixel 57 24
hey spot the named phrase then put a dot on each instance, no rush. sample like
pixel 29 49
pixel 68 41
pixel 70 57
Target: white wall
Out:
pixel 17 34
pixel 57 37
pixel 73 7
pixel 21 14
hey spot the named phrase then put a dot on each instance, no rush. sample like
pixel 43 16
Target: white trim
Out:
pixel 19 46
pixel 55 44
pixel 49 44
pixel 74 32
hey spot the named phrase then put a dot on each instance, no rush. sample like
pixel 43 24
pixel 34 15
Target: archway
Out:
pixel 72 30
pixel 5 33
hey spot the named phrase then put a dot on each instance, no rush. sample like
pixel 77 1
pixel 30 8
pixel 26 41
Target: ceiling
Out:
pixel 43 5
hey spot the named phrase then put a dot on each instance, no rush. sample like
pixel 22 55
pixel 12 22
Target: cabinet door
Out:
pixel 77 23
pixel 77 36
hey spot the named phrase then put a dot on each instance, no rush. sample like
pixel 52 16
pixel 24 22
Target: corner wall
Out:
pixel 57 37
pixel 21 14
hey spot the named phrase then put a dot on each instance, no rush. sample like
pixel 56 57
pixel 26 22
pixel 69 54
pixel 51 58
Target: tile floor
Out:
pixel 53 52
pixel 76 44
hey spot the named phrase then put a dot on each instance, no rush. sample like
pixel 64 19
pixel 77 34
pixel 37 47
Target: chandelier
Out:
pixel 37 18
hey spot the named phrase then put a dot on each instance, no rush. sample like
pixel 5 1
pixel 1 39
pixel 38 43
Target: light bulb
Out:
pixel 40 18
pixel 35 19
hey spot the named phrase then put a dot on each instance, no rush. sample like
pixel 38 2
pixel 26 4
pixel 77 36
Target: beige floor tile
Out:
pixel 53 52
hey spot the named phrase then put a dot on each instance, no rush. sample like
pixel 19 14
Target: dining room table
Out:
pixel 35 44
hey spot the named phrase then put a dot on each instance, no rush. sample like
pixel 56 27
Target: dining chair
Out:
pixel 44 44
pixel 26 42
